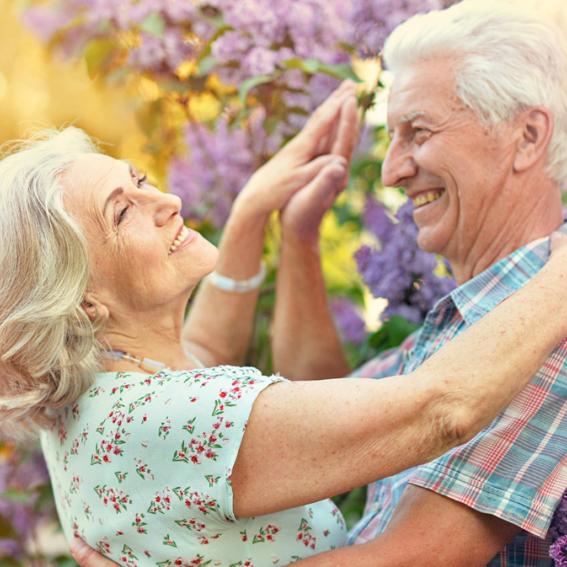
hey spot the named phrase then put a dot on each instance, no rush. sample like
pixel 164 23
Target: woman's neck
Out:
pixel 156 339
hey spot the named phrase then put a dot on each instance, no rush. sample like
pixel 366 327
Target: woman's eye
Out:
pixel 122 215
pixel 141 180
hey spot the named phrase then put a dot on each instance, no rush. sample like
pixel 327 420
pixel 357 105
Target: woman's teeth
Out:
pixel 177 242
pixel 421 200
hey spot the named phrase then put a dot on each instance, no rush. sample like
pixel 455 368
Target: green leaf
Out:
pixel 311 66
pixel 153 24
pixel 341 71
pixel 205 65
pixel 249 84
pixel 16 496
pixel 97 54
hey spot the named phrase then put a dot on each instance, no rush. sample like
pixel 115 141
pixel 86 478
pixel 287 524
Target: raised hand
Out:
pixel 324 138
pixel 303 212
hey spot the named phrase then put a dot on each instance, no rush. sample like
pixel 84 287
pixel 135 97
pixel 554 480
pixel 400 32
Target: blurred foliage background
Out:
pixel 199 94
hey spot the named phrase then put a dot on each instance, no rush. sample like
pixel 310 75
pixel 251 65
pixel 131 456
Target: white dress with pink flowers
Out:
pixel 141 469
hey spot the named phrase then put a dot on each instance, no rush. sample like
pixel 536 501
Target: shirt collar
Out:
pixel 478 296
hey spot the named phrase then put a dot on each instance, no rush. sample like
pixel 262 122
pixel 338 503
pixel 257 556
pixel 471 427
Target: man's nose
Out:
pixel 398 165
pixel 166 206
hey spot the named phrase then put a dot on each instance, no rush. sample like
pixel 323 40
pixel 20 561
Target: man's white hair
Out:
pixel 508 59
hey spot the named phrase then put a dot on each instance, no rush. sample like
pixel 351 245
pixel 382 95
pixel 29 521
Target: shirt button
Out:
pixel 376 506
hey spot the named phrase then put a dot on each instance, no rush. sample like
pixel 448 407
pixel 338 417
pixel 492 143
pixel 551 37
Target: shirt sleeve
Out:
pixel 388 363
pixel 515 468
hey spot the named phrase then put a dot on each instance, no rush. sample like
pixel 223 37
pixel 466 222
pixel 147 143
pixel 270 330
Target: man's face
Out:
pixel 452 167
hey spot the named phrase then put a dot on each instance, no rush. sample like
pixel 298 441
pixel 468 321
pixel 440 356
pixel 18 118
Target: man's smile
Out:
pixel 427 197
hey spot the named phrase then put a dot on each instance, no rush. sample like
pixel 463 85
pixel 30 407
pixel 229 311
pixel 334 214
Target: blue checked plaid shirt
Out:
pixel 516 468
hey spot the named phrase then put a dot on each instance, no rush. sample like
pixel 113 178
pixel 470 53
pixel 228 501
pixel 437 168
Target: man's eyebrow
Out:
pixel 113 195
pixel 413 115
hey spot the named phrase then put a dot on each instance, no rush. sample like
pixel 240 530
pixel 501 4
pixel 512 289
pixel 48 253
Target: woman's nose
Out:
pixel 166 206
pixel 398 165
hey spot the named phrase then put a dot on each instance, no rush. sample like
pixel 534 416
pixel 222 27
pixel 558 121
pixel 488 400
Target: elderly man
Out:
pixel 478 121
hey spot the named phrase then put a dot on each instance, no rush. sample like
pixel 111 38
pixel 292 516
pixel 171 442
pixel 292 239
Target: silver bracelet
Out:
pixel 237 286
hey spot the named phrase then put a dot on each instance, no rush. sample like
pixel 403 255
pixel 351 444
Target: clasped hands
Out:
pixel 303 179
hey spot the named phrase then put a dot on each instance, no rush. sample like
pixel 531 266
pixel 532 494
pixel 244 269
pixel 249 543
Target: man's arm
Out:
pixel 427 530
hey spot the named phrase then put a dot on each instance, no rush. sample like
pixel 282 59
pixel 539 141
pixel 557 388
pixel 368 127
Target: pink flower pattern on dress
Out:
pixel 159 458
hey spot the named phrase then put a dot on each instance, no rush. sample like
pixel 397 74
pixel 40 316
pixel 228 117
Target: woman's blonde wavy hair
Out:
pixel 49 352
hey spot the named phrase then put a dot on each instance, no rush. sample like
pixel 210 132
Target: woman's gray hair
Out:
pixel 48 349
pixel 508 59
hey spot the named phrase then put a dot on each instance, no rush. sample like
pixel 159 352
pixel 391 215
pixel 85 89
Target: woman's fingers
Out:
pixel 557 240
pixel 347 130
pixel 86 556
pixel 318 129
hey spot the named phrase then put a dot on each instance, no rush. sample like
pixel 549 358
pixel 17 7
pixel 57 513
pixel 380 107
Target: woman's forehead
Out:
pixel 89 181
pixel 92 172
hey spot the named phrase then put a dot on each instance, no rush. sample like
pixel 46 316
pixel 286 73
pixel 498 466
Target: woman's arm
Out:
pixel 219 325
pixel 305 343
pixel 309 440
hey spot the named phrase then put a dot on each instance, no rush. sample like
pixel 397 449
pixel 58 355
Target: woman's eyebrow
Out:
pixel 113 195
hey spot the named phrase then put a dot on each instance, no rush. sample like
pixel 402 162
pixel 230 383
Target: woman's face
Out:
pixel 131 228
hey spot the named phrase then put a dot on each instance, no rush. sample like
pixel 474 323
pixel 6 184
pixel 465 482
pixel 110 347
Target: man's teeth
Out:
pixel 177 242
pixel 421 200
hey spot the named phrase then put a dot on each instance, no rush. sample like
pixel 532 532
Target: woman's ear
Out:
pixel 94 309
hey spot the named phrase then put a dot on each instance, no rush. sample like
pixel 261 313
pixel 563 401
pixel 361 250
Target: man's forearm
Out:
pixel 305 342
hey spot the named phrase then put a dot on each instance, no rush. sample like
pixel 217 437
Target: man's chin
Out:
pixel 429 240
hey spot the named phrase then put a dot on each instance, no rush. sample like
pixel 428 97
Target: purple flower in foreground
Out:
pixel 400 272
pixel 558 552
pixel 348 321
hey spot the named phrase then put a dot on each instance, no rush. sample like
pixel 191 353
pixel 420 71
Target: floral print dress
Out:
pixel 141 469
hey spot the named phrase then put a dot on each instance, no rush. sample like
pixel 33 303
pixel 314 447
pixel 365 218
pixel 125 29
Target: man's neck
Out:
pixel 517 222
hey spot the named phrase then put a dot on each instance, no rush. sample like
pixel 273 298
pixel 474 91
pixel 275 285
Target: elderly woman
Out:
pixel 156 461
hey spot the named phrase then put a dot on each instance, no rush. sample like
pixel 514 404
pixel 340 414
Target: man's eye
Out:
pixel 421 134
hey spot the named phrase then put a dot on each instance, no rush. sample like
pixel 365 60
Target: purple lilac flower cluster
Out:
pixel 372 21
pixel 349 323
pixel 558 532
pixel 214 171
pixel 21 475
pixel 400 272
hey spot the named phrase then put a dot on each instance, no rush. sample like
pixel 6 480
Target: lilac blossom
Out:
pixel 22 473
pixel 558 533
pixel 400 272
pixel 349 323
pixel 558 552
pixel 372 21
pixel 216 167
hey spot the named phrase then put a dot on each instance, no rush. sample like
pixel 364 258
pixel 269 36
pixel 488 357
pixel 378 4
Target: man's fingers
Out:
pixel 86 556
pixel 347 129
pixel 328 183
pixel 313 168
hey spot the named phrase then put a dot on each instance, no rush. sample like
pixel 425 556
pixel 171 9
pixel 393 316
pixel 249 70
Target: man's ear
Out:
pixel 94 308
pixel 535 128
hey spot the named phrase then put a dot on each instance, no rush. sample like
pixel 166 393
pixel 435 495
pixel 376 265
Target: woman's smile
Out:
pixel 183 239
